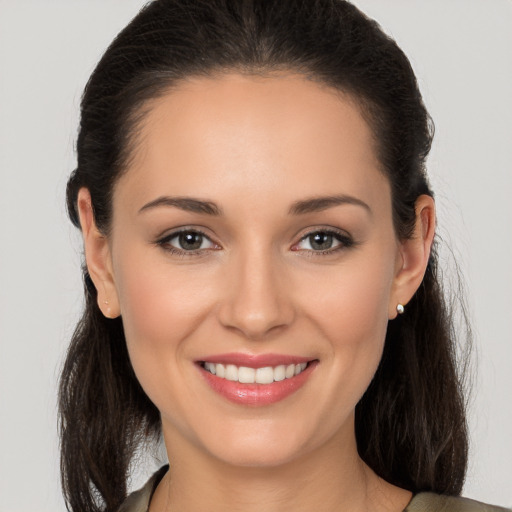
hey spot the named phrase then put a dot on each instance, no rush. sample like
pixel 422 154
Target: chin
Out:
pixel 260 447
pixel 257 456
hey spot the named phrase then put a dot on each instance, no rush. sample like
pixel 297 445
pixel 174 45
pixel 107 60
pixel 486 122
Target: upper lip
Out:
pixel 255 360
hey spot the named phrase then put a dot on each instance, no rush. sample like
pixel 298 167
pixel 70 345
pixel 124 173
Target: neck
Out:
pixel 331 478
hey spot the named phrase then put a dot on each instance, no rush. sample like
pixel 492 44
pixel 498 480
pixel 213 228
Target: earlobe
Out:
pixel 97 257
pixel 413 256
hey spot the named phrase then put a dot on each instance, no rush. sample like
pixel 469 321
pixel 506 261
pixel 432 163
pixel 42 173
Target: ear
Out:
pixel 97 257
pixel 413 255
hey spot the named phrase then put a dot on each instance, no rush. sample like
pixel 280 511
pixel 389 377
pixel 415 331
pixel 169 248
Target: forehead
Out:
pixel 262 137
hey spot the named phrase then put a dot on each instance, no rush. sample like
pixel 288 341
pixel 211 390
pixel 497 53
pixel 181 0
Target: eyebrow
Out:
pixel 188 204
pixel 312 205
pixel 318 204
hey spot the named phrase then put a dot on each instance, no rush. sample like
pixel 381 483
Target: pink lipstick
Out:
pixel 256 380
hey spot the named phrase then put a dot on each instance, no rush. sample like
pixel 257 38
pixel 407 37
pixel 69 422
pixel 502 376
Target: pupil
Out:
pixel 321 241
pixel 190 241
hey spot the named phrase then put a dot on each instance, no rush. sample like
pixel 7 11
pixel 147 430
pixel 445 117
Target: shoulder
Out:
pixel 429 502
pixel 138 501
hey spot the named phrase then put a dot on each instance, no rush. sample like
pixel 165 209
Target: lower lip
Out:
pixel 257 394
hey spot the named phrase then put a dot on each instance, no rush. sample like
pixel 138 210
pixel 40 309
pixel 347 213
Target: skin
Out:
pixel 255 146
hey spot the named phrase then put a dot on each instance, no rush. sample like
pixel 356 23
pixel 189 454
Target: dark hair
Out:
pixel 410 424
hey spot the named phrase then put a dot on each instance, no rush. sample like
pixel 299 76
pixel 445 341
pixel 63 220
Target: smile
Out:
pixel 245 375
pixel 256 380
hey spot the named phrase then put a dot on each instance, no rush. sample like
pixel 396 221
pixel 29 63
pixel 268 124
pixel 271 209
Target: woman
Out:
pixel 261 282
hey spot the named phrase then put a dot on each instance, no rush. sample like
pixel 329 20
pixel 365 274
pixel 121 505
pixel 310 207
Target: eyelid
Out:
pixel 345 240
pixel 163 241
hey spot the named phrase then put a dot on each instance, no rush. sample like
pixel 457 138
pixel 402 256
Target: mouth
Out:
pixel 246 375
pixel 258 380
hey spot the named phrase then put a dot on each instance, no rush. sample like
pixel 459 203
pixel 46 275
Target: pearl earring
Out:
pixel 400 309
pixel 107 314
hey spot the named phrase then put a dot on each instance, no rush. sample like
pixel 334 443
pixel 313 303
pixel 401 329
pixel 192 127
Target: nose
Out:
pixel 257 299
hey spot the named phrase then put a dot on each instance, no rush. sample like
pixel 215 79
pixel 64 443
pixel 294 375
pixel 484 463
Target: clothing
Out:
pixel 429 502
pixel 139 500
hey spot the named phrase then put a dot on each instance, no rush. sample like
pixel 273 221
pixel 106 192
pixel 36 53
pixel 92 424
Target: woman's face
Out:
pixel 253 229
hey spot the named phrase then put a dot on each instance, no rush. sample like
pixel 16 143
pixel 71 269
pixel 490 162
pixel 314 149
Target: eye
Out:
pixel 187 241
pixel 323 241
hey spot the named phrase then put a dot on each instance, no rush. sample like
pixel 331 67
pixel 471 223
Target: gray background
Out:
pixel 462 53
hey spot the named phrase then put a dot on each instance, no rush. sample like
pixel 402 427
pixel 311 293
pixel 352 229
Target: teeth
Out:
pixel 300 367
pixel 245 375
pixel 220 370
pixel 265 375
pixel 231 372
pixel 280 372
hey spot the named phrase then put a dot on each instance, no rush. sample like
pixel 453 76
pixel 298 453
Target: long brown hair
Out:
pixel 410 424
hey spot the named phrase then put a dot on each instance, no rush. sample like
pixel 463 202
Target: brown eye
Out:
pixel 324 241
pixel 190 240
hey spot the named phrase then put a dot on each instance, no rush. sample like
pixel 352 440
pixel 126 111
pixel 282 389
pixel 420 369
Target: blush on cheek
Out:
pixel 160 308
pixel 353 314
pixel 155 303
pixel 355 307
pixel 148 327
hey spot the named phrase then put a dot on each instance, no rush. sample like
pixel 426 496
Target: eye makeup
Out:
pixel 186 242
pixel 324 241
pixel 191 241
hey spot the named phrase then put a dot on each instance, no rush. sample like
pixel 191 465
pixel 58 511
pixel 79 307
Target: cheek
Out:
pixel 150 305
pixel 353 301
pixel 158 299
pixel 160 307
pixel 350 308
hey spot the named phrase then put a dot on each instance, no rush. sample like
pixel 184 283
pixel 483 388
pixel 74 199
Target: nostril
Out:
pixel 257 305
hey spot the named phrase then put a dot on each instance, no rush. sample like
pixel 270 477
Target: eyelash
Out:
pixel 345 242
pixel 165 245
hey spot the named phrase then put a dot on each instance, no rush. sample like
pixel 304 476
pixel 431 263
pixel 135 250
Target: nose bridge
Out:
pixel 256 301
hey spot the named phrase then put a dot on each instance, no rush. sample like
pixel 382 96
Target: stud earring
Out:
pixel 107 313
pixel 400 309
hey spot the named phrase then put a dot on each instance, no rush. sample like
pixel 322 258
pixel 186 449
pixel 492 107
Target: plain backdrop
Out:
pixel 461 51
